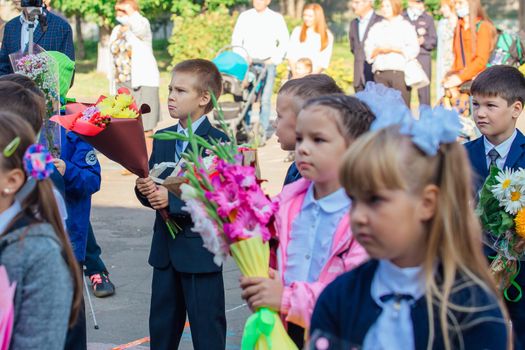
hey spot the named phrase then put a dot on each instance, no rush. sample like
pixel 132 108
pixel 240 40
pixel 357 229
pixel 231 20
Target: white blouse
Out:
pixel 310 48
pixel 397 34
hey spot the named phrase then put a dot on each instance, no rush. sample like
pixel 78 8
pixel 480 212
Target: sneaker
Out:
pixel 102 286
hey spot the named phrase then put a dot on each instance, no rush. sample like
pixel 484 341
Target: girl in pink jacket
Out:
pixel 312 224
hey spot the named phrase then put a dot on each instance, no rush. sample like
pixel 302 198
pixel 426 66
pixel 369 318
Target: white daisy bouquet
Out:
pixel 501 209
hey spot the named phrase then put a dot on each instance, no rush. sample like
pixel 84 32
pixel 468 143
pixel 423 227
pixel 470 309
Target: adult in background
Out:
pixel 391 43
pixel 445 54
pixel 359 29
pixel 133 64
pixel 312 40
pixel 473 43
pixel 427 38
pixel 264 35
pixel 53 34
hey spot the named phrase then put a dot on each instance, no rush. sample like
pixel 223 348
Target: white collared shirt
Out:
pixel 24 35
pixel 312 234
pixel 263 34
pixel 503 150
pixel 194 126
pixel 394 329
pixel 363 24
pixel 310 48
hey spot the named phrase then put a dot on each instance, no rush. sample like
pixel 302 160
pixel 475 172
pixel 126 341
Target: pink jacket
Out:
pixel 299 298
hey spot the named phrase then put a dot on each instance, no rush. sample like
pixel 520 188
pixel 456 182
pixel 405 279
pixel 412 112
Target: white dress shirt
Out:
pixel 363 24
pixel 396 33
pixel 503 150
pixel 24 35
pixel 181 130
pixel 263 34
pixel 310 48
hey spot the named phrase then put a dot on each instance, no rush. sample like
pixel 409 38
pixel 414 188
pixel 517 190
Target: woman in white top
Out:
pixel 391 43
pixel 312 40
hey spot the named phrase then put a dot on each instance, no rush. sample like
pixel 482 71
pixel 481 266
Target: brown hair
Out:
pixel 353 116
pixel 209 78
pixel 502 81
pixel 476 11
pixel 320 26
pixel 385 159
pixel 133 3
pixel 40 205
pixel 21 101
pixel 310 86
pixel 26 82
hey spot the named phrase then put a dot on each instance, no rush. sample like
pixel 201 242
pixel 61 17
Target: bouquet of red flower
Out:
pixel 113 126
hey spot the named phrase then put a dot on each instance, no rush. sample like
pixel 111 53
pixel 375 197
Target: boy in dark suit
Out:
pixel 185 278
pixel 498 95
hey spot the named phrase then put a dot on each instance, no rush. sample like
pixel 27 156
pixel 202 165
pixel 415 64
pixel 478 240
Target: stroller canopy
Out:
pixel 231 63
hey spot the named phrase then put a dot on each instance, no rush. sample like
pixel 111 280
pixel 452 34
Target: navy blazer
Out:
pixel 362 69
pixel 478 158
pixel 345 310
pixel 292 174
pixel 58 37
pixel 186 252
pixel 515 160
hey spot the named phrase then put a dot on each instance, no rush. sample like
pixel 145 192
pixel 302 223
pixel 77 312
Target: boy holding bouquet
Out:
pixel 498 95
pixel 185 278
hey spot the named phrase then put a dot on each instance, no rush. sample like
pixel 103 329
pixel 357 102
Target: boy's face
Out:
pixel 494 118
pixel 286 121
pixel 184 98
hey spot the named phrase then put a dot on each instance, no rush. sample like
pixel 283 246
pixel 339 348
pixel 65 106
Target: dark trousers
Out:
pixel 76 338
pixel 93 262
pixel 423 94
pixel 201 296
pixel 296 333
pixel 394 79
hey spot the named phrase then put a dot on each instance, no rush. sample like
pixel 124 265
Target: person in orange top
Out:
pixel 473 43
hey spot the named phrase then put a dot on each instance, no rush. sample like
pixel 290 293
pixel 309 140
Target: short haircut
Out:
pixel 310 86
pixel 23 102
pixel 500 81
pixel 354 116
pixel 397 6
pixel 26 82
pixel 209 78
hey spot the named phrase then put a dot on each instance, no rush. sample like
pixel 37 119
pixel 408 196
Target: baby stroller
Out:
pixel 243 82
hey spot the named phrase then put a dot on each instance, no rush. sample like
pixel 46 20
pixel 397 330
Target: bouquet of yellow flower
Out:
pixel 501 209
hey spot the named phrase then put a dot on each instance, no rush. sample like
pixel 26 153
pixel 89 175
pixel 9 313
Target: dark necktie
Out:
pixel 493 155
pixel 179 144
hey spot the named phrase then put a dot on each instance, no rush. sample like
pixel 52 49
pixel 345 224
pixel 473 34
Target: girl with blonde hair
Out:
pixel 427 285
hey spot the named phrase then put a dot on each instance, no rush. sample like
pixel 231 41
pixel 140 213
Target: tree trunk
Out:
pixel 103 50
pixel 299 5
pixel 81 50
pixel 290 8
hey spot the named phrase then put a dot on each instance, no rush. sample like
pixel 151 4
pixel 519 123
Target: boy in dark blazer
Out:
pixel 498 95
pixel 185 278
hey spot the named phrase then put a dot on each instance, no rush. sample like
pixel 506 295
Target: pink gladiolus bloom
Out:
pixel 242 175
pixel 246 225
pixel 227 198
pixel 262 206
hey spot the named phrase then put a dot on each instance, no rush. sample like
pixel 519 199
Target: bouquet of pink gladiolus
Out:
pixel 232 214
pixel 7 294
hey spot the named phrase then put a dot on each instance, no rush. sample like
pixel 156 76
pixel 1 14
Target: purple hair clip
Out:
pixel 38 162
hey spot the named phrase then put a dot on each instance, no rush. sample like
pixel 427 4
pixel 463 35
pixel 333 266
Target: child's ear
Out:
pixel 205 99
pixel 429 202
pixel 15 179
pixel 517 108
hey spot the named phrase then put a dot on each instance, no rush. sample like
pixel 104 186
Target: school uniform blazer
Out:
pixel 58 37
pixel 515 160
pixel 362 69
pixel 186 252
pixel 478 158
pixel 345 310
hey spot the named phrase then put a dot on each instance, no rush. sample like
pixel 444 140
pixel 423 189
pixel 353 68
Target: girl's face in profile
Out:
pixel 319 144
pixel 309 17
pixel 389 224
